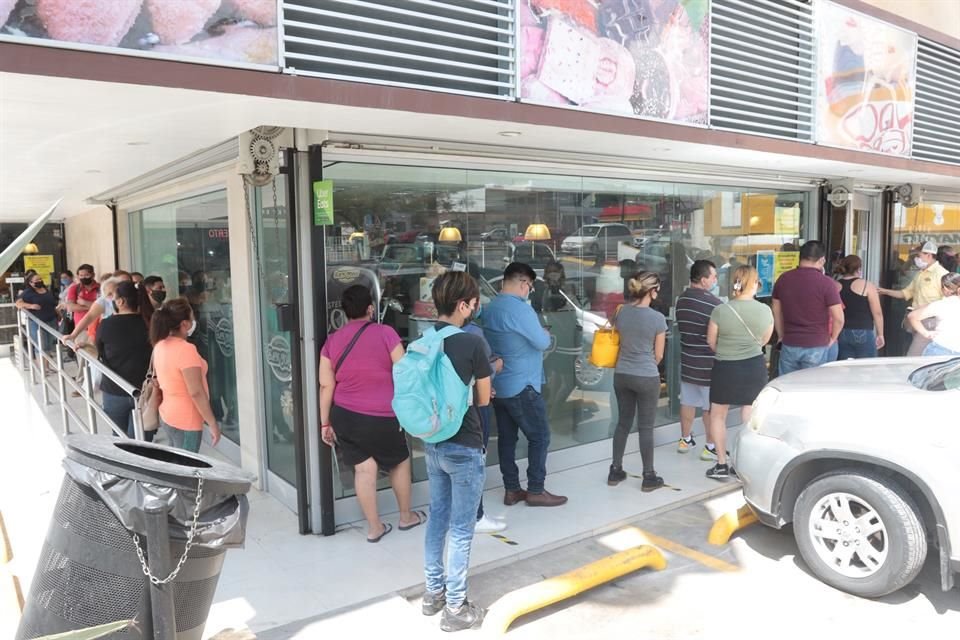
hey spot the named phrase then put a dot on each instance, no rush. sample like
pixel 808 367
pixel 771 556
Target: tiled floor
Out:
pixel 281 577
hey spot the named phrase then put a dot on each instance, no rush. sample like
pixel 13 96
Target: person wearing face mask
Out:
pixel 82 294
pixel 152 294
pixel 737 334
pixel 123 345
pixel 356 416
pixel 807 312
pixel 636 380
pixel 456 467
pixel 693 309
pixel 922 290
pixel 862 333
pixel 514 332
pixel 485 524
pixel 182 376
pixel 100 310
pixel 39 301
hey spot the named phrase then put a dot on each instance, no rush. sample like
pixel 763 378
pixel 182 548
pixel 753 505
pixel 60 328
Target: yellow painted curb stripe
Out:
pixel 729 523
pixel 547 592
pixel 691 554
pixel 504 539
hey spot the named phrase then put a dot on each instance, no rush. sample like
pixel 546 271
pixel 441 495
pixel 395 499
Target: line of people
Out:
pixel 126 321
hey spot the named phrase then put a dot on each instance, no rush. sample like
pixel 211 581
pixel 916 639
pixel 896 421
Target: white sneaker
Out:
pixel 486 524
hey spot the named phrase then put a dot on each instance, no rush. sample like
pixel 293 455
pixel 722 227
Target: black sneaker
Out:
pixel 433 603
pixel 722 472
pixel 467 616
pixel 616 476
pixel 651 481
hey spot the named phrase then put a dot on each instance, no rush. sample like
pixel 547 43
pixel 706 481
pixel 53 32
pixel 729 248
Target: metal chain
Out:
pixel 247 185
pixel 186 550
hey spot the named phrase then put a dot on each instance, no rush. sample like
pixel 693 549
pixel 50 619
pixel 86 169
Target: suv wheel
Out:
pixel 859 533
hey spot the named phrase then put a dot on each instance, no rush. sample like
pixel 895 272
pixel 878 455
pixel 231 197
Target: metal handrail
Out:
pixel 64 379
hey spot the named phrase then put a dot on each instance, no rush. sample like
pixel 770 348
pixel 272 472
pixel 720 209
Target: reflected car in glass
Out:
pixel 860 456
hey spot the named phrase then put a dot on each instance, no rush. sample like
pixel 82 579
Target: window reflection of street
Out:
pixel 398 227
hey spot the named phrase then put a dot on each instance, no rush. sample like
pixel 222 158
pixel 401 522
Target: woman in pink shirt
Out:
pixel 182 376
pixel 356 389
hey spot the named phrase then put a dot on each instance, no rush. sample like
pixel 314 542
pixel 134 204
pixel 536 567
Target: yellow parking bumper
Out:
pixel 542 594
pixel 729 523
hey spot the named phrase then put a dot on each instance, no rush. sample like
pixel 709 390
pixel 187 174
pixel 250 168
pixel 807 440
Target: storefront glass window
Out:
pixel 396 228
pixel 187 243
pixel 276 318
pixel 934 221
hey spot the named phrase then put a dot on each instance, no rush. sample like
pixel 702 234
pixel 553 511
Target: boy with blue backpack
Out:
pixel 438 386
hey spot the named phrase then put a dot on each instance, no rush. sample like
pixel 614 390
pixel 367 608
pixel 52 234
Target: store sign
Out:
pixel 278 358
pixel 866 82
pixel 238 31
pixel 322 202
pixel 765 270
pixel 42 264
pixel 224 336
pixel 629 57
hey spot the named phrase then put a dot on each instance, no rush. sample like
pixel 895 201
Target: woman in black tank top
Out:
pixel 862 333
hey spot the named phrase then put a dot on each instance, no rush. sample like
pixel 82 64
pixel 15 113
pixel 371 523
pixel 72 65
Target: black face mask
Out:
pixel 158 296
pixel 39 285
pixel 86 281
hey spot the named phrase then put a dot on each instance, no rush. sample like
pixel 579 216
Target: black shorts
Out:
pixel 360 437
pixel 738 382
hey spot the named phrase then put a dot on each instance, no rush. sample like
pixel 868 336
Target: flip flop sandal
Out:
pixel 421 518
pixel 387 528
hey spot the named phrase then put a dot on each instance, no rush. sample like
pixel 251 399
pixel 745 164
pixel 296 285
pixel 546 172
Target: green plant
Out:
pixel 90 633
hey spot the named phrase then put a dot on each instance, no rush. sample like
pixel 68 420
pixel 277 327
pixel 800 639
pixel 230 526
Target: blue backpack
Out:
pixel 429 397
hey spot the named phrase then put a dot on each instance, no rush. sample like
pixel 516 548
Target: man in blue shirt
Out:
pixel 514 333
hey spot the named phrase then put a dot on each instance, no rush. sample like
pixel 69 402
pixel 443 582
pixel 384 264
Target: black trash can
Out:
pixel 122 496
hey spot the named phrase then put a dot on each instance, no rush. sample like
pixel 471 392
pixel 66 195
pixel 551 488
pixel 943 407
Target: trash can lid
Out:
pixel 154 463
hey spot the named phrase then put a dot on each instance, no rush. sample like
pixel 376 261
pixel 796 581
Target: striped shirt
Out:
pixel 693 310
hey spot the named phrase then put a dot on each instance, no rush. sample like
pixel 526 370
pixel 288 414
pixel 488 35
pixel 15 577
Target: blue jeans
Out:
pixel 796 358
pixel 39 338
pixel 857 343
pixel 934 349
pixel 524 412
pixel 455 474
pixel 120 410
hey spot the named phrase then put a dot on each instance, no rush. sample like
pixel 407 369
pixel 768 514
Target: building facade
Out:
pixel 266 157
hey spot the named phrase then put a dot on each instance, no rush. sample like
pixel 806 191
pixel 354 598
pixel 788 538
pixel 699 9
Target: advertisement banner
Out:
pixel 765 270
pixel 229 31
pixel 644 58
pixel 865 82
pixel 322 202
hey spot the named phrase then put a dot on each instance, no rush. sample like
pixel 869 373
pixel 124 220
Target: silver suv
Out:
pixel 861 456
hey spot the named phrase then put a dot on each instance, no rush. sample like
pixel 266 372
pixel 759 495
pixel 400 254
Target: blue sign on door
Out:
pixel 765 262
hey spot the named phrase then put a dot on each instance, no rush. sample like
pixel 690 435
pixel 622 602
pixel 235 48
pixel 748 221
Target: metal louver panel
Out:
pixel 762 74
pixel 457 46
pixel 936 123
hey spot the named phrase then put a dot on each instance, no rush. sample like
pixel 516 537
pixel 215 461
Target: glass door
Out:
pixel 273 265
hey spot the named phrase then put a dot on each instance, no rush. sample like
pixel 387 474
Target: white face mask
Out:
pixel 919 262
pixel 193 327
pixel 715 289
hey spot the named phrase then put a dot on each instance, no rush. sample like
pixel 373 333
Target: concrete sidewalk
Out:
pixel 281 577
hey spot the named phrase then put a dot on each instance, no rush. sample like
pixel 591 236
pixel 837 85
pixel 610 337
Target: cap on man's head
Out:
pixel 929 247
